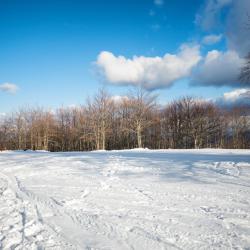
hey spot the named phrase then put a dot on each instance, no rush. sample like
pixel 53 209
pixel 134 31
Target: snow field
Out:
pixel 131 199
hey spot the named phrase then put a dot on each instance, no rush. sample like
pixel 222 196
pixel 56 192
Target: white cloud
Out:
pixel 211 39
pixel 210 14
pixel 235 98
pixel 231 17
pixel 9 87
pixel 237 94
pixel 119 99
pixel 237 31
pixel 218 69
pixel 2 117
pixel 148 72
pixel 159 2
pixel 72 106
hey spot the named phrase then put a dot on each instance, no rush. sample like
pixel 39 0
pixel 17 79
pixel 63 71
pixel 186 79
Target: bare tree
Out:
pixel 141 105
pixel 100 110
pixel 134 121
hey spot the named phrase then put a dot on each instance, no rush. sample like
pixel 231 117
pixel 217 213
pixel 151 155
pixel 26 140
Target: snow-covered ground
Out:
pixel 138 199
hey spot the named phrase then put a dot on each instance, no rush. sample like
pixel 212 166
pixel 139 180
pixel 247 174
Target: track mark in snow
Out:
pixel 3 185
pixel 124 200
pixel 85 193
pixel 152 240
pixel 227 168
pixel 23 224
pixel 65 223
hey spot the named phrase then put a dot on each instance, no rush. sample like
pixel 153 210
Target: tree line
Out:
pixel 132 121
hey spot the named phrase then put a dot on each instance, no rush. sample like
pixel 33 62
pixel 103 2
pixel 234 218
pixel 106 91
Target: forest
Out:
pixel 133 121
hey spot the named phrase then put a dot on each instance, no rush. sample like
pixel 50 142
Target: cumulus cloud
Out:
pixel 236 94
pixel 231 17
pixel 211 39
pixel 148 72
pixel 237 97
pixel 218 69
pixel 9 87
pixel 238 27
pixel 159 2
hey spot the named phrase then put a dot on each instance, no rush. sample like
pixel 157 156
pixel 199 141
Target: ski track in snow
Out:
pixel 131 199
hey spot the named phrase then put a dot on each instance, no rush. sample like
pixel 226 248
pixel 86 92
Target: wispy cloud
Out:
pixel 209 16
pixel 148 72
pixel 211 39
pixel 152 13
pixel 155 27
pixel 9 87
pixel 158 2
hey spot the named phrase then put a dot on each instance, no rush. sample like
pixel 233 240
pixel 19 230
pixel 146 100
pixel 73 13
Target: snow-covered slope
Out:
pixel 140 199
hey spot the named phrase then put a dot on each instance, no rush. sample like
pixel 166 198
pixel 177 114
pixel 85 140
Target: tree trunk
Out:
pixel 103 135
pixel 139 140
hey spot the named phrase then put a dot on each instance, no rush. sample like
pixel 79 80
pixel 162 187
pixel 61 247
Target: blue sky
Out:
pixel 49 49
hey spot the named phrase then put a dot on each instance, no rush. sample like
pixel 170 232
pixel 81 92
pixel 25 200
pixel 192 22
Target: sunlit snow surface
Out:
pixel 138 199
